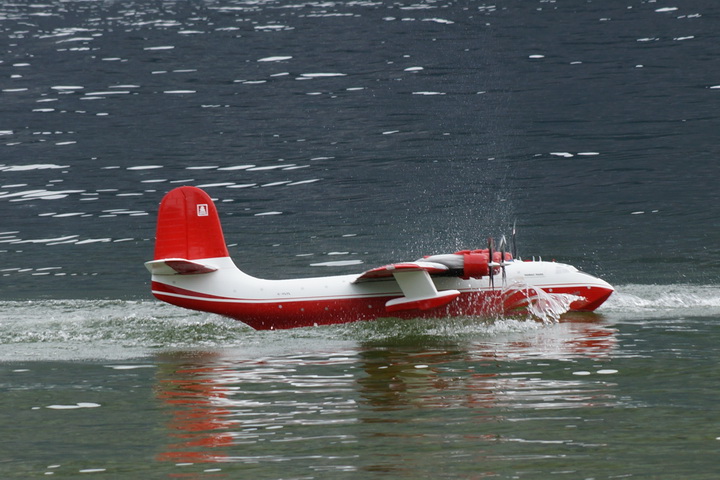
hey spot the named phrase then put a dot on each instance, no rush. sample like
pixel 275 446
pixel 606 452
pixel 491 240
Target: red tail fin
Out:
pixel 188 226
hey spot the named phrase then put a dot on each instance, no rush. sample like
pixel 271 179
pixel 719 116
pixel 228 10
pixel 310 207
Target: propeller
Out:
pixel 503 246
pixel 503 261
pixel 491 262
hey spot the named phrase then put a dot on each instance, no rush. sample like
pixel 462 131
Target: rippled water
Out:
pixel 133 388
pixel 338 136
pixel 403 129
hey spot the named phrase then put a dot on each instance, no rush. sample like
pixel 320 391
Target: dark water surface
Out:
pixel 338 136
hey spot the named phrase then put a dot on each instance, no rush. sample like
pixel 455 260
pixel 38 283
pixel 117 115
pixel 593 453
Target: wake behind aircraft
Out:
pixel 192 268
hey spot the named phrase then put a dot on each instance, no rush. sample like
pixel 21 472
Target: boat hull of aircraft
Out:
pixel 193 269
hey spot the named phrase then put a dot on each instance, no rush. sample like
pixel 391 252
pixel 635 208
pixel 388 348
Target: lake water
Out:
pixel 336 137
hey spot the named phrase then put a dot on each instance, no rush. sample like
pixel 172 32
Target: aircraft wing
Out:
pixel 389 270
pixel 414 280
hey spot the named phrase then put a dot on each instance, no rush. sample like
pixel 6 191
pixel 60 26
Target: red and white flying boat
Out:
pixel 192 268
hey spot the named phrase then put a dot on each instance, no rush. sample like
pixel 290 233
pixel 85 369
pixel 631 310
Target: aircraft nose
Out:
pixel 596 295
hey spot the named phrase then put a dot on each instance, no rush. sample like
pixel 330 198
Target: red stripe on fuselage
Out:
pixel 267 314
pixel 303 312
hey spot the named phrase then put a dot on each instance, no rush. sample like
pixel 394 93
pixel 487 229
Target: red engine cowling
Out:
pixel 476 262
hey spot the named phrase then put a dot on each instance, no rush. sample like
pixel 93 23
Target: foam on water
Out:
pixel 72 329
pixel 643 301
pixel 75 329
pixel 103 329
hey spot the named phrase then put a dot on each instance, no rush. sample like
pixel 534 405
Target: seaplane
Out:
pixel 192 268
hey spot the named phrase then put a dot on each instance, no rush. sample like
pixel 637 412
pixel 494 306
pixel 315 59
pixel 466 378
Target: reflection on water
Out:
pixel 198 420
pixel 344 411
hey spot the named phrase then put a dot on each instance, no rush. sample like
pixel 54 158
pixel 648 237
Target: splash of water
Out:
pixel 548 307
pixel 541 305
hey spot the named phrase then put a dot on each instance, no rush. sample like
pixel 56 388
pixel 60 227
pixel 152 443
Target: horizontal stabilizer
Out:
pixel 178 266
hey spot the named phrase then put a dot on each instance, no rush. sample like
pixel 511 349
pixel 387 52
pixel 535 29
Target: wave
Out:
pixel 664 300
pixel 72 329
pixel 121 329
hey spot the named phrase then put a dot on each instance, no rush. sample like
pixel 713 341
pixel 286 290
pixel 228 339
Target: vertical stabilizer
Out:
pixel 188 226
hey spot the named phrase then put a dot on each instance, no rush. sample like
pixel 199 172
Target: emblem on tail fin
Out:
pixel 202 210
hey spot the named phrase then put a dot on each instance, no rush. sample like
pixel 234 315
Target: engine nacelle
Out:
pixel 470 263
